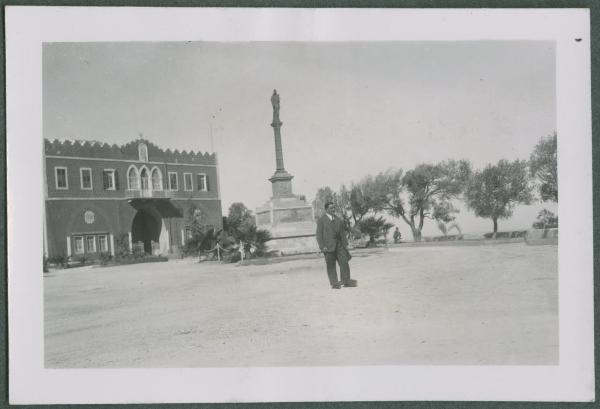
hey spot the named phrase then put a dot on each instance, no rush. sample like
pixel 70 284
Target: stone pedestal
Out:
pixel 291 223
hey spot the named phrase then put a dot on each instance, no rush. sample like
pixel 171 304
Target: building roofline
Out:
pixel 128 151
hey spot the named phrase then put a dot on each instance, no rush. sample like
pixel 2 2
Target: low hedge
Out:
pixel 518 234
pixel 131 259
pixel 449 237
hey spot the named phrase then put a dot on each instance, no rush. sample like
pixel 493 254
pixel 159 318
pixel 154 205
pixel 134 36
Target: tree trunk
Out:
pixel 495 220
pixel 416 233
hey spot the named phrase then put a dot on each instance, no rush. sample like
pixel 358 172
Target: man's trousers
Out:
pixel 341 256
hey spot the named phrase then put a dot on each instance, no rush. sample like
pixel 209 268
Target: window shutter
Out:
pixel 117 184
pixel 105 180
pixel 206 181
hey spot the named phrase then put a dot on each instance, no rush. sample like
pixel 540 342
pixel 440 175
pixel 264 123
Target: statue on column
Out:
pixel 275 103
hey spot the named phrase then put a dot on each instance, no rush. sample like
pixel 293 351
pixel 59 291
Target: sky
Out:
pixel 348 109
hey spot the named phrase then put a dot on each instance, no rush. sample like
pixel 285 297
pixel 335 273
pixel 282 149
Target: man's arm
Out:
pixel 344 233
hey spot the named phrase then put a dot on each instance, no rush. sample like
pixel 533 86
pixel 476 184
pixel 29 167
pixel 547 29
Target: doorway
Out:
pixel 146 228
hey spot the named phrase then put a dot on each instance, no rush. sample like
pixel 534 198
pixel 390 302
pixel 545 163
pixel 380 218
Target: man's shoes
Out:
pixel 336 286
pixel 350 283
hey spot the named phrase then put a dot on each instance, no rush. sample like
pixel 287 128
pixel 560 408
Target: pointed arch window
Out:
pixel 156 179
pixel 133 178
pixel 145 178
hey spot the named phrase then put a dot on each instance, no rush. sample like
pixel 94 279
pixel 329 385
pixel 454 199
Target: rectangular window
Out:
pixel 85 174
pixel 202 185
pixel 187 181
pixel 173 180
pixel 103 243
pixel 90 244
pixel 60 175
pixel 78 244
pixel 108 179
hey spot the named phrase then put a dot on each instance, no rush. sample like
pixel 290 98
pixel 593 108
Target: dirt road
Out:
pixel 425 306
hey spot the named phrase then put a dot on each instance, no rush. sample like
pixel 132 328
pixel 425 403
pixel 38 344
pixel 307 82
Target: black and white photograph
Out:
pixel 283 203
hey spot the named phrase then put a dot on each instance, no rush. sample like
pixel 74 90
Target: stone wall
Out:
pixel 292 215
pixel 542 236
pixel 294 245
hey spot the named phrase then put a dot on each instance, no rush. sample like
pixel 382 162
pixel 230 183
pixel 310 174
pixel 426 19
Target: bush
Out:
pixel 232 257
pixel 82 259
pixel 105 258
pixel 134 259
pixel 122 244
pixel 546 220
pixel 58 261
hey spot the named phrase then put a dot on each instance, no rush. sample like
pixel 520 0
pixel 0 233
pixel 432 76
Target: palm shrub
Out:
pixel 204 238
pixel 240 226
pixel 250 237
pixel 374 227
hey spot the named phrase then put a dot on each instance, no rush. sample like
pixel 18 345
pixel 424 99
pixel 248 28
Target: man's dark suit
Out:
pixel 331 236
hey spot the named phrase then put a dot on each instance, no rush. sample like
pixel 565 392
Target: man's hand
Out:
pixel 324 250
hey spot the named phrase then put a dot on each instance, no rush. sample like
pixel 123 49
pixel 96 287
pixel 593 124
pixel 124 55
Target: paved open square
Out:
pixel 458 305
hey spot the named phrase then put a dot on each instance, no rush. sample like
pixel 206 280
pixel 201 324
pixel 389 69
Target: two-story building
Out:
pixel 100 198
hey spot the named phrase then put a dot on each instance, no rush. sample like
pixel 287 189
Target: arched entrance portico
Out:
pixel 146 227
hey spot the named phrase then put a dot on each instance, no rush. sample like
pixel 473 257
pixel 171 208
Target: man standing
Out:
pixel 331 236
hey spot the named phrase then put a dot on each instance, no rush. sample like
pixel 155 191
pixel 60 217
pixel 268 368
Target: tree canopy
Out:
pixel 494 191
pixel 240 226
pixel 543 167
pixel 239 216
pixel 323 195
pixel 425 192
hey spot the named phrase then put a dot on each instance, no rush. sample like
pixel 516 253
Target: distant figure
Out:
pixel 242 251
pixel 397 236
pixel 331 237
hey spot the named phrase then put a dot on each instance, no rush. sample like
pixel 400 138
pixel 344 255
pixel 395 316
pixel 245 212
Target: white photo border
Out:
pixel 30 383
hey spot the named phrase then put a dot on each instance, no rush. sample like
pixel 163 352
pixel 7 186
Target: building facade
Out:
pixel 102 198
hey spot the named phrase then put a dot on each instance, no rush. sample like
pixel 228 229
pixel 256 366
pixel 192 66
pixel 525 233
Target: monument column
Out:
pixel 281 180
pixel 288 218
pixel 276 124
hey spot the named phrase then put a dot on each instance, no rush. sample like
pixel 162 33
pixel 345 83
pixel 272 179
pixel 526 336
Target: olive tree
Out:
pixel 494 191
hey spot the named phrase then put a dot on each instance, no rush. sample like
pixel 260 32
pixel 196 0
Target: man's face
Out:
pixel 331 210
